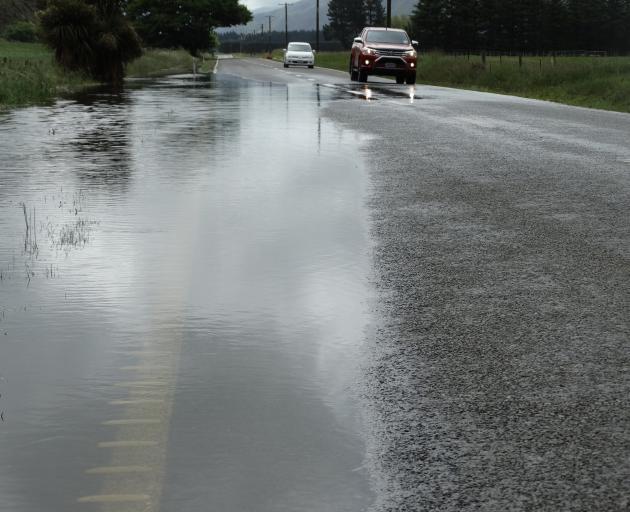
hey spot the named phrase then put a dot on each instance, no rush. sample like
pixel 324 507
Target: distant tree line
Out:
pixel 276 37
pixel 533 26
pixel 256 42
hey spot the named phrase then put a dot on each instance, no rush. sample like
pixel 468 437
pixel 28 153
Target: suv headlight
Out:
pixel 368 51
pixel 411 53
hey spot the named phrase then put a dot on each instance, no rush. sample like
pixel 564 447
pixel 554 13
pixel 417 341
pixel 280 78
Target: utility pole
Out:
pixel 389 13
pixel 286 23
pixel 269 34
pixel 317 26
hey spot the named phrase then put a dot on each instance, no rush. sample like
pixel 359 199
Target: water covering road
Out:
pixel 185 277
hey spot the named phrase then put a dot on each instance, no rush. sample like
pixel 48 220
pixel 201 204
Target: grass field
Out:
pixel 29 75
pixel 598 82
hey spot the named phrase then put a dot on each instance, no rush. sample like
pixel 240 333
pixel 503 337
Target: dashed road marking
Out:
pixel 116 470
pixel 138 441
pixel 115 498
pixel 136 421
pixel 137 401
pixel 143 368
pixel 134 350
pixel 140 384
pixel 127 444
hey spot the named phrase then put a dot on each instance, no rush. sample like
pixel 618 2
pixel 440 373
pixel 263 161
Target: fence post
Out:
pixel 520 61
pixel 483 58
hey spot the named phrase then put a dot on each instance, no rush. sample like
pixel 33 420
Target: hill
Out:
pixel 302 15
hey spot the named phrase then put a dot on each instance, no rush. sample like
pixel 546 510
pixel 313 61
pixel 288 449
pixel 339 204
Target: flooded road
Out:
pixel 278 290
pixel 183 300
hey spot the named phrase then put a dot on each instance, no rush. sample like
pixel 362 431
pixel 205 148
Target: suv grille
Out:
pixel 391 53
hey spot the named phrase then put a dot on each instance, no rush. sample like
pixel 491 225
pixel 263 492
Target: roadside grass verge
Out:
pixel 596 82
pixel 158 62
pixel 29 74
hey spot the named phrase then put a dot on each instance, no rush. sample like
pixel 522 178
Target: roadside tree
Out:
pixel 90 35
pixel 187 24
pixel 347 19
pixel 374 13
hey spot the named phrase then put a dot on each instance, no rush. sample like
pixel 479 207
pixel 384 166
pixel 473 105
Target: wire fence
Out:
pixel 517 53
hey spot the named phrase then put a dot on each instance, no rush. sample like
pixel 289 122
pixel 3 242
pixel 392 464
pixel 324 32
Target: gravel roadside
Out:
pixel 499 379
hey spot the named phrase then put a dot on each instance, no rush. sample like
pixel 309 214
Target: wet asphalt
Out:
pixel 499 376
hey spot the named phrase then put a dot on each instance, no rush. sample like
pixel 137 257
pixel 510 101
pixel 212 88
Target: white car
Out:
pixel 299 54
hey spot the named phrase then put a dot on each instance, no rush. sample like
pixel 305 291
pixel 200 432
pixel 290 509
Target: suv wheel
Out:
pixel 353 73
pixel 363 76
pixel 400 79
pixel 411 79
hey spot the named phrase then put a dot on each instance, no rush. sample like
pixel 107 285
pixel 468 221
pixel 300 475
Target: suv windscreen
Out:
pixel 386 36
pixel 299 48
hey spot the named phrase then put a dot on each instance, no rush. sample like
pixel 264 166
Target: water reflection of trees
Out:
pixel 101 143
pixel 187 123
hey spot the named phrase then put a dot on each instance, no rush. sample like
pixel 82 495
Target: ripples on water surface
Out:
pixel 183 316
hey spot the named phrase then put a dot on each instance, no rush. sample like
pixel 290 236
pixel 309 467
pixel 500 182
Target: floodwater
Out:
pixel 184 295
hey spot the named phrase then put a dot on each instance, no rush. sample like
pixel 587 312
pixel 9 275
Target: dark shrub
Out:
pixel 22 31
pixel 90 35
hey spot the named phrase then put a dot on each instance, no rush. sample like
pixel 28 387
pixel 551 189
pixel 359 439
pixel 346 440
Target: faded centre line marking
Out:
pixel 115 498
pixel 139 401
pixel 133 421
pixel 114 470
pixel 127 444
pixel 141 415
pixel 140 384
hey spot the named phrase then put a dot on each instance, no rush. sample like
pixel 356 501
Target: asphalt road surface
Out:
pixel 500 376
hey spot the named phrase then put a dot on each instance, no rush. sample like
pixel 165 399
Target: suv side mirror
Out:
pixel 358 40
pixel 415 44
pixel 314 51
pixel 284 50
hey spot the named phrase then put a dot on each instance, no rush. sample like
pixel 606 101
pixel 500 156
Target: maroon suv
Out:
pixel 384 51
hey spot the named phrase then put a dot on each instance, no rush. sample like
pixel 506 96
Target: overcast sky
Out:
pixel 255 4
